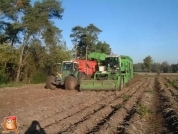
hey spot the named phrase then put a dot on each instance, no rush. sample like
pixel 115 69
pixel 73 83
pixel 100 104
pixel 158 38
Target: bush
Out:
pixel 3 78
pixel 38 78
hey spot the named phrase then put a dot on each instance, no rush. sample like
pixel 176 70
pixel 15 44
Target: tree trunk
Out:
pixel 21 59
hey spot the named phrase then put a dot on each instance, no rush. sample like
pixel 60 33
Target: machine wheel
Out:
pixel 49 85
pixel 70 83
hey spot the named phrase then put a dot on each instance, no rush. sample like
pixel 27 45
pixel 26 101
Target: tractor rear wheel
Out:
pixel 49 85
pixel 70 83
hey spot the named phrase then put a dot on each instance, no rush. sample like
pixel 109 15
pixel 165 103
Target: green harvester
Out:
pixel 113 72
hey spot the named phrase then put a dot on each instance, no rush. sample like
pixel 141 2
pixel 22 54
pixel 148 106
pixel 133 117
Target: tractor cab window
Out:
pixel 67 66
pixel 112 62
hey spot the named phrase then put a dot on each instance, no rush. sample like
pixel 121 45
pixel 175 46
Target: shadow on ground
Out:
pixel 35 128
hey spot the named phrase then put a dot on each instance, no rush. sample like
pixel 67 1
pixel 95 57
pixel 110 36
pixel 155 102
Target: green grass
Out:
pixel 143 110
pixel 11 84
pixel 126 97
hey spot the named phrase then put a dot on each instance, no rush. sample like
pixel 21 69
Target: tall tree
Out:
pixel 165 67
pixel 33 22
pixel 148 62
pixel 76 35
pixel 84 39
pixel 9 28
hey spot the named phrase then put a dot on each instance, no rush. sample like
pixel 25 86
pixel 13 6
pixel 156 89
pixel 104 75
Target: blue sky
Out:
pixel 136 28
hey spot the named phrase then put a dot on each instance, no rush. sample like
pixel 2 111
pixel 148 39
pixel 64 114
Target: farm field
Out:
pixel 148 105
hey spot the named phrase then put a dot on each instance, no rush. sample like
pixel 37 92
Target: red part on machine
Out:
pixel 87 66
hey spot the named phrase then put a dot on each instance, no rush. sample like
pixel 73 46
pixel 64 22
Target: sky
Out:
pixel 136 28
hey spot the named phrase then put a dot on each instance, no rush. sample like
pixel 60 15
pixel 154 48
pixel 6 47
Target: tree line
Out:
pixel 30 43
pixel 148 65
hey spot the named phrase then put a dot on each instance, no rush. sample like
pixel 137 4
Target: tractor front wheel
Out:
pixel 70 83
pixel 49 85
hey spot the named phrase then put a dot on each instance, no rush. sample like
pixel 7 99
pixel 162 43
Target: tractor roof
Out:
pixel 112 55
pixel 71 61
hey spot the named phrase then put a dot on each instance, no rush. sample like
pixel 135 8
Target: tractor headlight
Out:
pixel 59 74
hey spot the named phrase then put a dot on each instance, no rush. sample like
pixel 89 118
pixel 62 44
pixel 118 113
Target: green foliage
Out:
pixel 7 54
pixel 174 68
pixel 103 47
pixel 85 40
pixel 39 40
pixel 31 22
pixel 126 97
pixel 11 84
pixel 143 110
pixel 38 77
pixel 139 67
pixel 165 67
pixel 8 61
pixel 11 10
pixel 148 62
pixel 3 78
pixel 156 67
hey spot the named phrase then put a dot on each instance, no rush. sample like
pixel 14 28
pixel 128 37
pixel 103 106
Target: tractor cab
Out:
pixel 109 68
pixel 69 65
pixel 67 68
pixel 112 63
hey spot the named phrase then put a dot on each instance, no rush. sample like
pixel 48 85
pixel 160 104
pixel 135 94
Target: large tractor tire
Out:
pixel 70 83
pixel 49 85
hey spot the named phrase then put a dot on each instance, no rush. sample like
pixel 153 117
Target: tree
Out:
pixel 165 67
pixel 138 67
pixel 8 61
pixel 148 62
pixel 31 22
pixel 174 68
pixel 84 39
pixel 156 67
pixel 103 47
pixel 9 28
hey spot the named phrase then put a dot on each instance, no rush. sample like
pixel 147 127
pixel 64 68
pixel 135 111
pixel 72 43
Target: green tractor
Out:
pixel 114 72
pixel 70 73
pixel 109 72
pixel 67 75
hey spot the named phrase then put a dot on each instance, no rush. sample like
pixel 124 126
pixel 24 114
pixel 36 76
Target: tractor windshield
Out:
pixel 111 62
pixel 67 66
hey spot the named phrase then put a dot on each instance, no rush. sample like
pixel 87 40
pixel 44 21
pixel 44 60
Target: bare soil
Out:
pixel 145 106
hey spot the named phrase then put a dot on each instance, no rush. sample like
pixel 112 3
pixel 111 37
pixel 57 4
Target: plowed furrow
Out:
pixel 123 114
pixel 82 115
pixel 57 113
pixel 172 89
pixel 101 115
pixel 171 82
pixel 74 110
pixel 55 104
pixel 144 121
pixel 54 119
pixel 169 107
